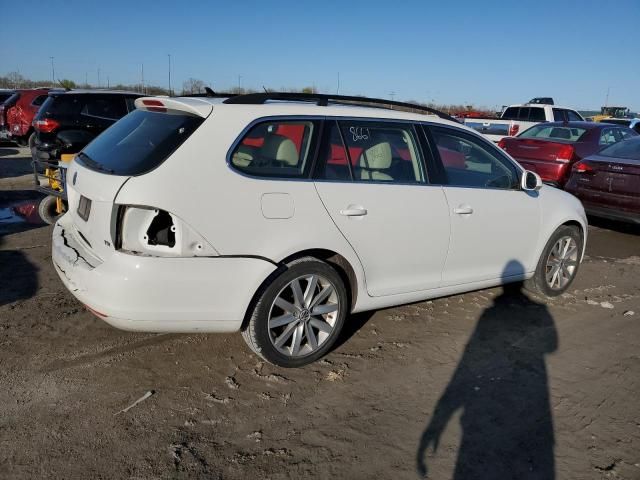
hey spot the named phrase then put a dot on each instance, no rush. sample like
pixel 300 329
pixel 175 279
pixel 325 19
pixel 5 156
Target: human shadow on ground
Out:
pixel 501 387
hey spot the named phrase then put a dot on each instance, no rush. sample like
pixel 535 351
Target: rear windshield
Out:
pixel 61 105
pixel 138 142
pixel 4 96
pixel 627 149
pixel 555 133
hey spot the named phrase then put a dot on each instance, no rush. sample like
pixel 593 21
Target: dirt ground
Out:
pixel 548 388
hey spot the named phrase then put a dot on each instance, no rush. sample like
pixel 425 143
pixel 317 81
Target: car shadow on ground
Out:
pixel 501 387
pixel 18 276
pixel 620 227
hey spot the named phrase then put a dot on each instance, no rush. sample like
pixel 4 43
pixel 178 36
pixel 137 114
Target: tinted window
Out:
pixel 138 142
pixel 573 116
pixel 470 162
pixel 553 132
pixel 524 113
pixel 104 107
pixel 334 163
pixel 275 149
pixel 510 113
pixel 4 96
pixel 559 115
pixel 382 152
pixel 627 133
pixel 609 136
pixel 62 105
pixel 39 100
pixel 628 149
pixel 537 114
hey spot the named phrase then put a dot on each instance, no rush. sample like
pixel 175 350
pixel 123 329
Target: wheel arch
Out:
pixel 342 266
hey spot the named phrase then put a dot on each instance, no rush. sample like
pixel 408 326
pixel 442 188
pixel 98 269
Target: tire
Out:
pixel 567 260
pixel 47 210
pixel 315 333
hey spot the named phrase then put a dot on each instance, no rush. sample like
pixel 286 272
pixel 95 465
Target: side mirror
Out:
pixel 530 181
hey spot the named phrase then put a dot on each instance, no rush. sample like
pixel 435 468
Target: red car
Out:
pixel 608 183
pixel 17 112
pixel 551 149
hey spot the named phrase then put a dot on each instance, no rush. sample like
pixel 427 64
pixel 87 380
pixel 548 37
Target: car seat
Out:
pixel 375 161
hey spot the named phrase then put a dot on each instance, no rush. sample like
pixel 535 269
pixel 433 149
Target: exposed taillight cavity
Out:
pixel 155 232
pixel 583 167
pixel 514 128
pixel 565 153
pixel 45 125
pixel 154 105
pixel 502 144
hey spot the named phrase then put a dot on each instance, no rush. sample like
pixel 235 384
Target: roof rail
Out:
pixel 323 101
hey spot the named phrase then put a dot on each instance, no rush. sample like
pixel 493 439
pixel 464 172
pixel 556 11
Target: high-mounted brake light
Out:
pixel 565 153
pixel 502 144
pixel 154 105
pixel 46 125
pixel 582 167
pixel 514 129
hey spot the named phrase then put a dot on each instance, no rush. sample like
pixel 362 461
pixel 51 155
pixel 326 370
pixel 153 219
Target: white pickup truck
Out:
pixel 518 118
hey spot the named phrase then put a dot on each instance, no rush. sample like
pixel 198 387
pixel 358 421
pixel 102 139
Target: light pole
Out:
pixel 53 72
pixel 169 55
pixel 98 78
pixel 239 83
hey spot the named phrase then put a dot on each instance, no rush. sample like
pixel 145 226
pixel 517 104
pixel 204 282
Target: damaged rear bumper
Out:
pixel 158 294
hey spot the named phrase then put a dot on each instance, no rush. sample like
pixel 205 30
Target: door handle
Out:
pixel 353 211
pixel 463 210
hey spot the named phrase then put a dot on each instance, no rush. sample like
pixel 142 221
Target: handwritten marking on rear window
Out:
pixel 359 133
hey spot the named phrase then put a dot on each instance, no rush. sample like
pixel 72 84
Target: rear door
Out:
pixel 494 224
pixel 377 194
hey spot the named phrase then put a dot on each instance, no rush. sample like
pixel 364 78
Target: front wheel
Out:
pixel 559 263
pixel 299 315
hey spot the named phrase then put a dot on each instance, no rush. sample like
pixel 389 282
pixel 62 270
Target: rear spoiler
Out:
pixel 192 106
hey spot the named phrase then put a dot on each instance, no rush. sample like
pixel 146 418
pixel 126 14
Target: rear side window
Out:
pixel 382 152
pixel 559 115
pixel 573 116
pixel 39 100
pixel 275 149
pixel 111 108
pixel 139 142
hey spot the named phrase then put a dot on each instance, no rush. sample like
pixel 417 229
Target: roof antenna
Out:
pixel 210 92
pixel 265 89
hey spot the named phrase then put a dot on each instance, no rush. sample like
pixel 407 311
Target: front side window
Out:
pixel 469 162
pixel 278 148
pixel 511 113
pixel 382 152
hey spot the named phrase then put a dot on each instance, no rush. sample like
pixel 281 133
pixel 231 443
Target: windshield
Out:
pixel 555 133
pixel 138 142
pixel 628 149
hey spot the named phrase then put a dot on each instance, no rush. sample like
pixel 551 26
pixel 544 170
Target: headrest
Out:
pixel 279 147
pixel 376 157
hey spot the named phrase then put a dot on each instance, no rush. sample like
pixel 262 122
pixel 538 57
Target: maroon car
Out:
pixel 608 183
pixel 550 149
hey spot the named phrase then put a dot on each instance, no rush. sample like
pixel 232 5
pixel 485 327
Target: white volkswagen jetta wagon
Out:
pixel 280 214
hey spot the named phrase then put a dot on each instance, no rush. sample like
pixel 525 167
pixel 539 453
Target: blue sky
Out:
pixel 483 53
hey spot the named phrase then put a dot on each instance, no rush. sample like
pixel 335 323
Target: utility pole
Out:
pixel 53 72
pixel 338 87
pixel 98 78
pixel 606 102
pixel 169 55
pixel 107 81
pixel 239 83
pixel 86 79
pixel 142 73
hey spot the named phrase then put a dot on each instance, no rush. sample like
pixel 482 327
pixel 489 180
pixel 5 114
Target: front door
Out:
pixel 494 224
pixel 376 194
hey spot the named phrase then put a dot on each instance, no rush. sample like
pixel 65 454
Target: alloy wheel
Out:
pixel 562 263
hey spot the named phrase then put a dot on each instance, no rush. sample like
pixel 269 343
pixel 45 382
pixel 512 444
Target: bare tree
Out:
pixel 193 85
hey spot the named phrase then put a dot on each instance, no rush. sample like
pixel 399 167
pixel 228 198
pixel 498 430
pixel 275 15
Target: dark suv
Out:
pixel 68 121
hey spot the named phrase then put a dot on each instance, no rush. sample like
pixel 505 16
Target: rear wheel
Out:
pixel 299 315
pixel 559 263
